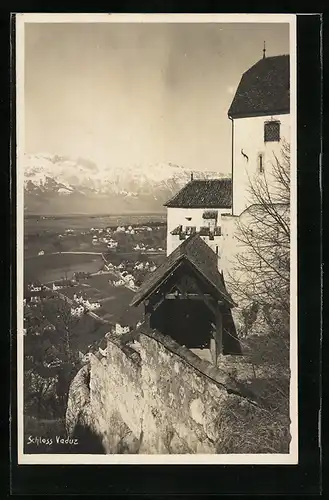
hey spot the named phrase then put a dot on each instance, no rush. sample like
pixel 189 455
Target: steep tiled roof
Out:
pixel 200 255
pixel 177 230
pixel 203 193
pixel 264 89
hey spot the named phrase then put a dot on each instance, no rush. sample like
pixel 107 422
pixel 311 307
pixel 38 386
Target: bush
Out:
pixel 246 428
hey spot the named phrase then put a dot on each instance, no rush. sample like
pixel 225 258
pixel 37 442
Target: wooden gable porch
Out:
pixel 189 303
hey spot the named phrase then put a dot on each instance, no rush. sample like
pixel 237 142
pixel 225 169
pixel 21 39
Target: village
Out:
pixel 88 292
pixel 149 239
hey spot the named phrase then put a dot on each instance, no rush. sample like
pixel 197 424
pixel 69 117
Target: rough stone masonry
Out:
pixel 149 395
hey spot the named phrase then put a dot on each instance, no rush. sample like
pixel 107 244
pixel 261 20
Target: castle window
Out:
pixel 210 215
pixel 260 163
pixel 272 131
pixel 190 230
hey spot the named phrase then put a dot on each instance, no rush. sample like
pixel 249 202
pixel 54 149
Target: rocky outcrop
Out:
pixel 150 395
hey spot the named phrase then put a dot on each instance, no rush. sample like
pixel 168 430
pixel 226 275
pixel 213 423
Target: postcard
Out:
pixel 156 239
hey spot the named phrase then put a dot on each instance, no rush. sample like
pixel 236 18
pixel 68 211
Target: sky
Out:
pixel 124 94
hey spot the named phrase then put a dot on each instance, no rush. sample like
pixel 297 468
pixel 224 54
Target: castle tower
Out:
pixel 260 124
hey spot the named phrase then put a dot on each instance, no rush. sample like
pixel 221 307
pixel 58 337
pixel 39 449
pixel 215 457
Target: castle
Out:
pixel 187 298
pixel 167 386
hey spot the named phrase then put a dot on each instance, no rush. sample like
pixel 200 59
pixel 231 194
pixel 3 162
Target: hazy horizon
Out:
pixel 127 94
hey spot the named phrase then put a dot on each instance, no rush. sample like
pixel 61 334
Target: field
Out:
pixel 52 267
pixel 76 233
pixel 59 224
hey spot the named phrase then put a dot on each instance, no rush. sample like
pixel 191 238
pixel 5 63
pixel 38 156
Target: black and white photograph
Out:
pixel 156 239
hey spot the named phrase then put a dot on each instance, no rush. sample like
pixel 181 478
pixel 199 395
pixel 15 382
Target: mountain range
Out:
pixel 55 184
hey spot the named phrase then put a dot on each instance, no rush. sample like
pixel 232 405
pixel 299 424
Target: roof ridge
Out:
pixel 204 193
pixel 263 89
pixel 170 199
pixel 263 61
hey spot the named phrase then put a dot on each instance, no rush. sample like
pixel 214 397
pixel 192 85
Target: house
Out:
pixel 112 243
pixel 35 299
pixel 139 246
pixel 120 330
pixel 139 266
pixel 35 287
pixel 260 117
pixel 186 299
pixel 41 252
pixel 128 277
pixel 77 311
pixel 56 287
pixel 197 209
pixel 119 282
pixel 94 305
pixel 79 299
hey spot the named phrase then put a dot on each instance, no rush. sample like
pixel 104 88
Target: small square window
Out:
pixel 190 230
pixel 272 131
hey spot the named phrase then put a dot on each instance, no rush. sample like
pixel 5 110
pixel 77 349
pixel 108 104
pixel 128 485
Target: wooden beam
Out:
pixel 213 350
pixel 219 331
pixel 147 319
pixel 158 303
pixel 193 296
pixel 164 280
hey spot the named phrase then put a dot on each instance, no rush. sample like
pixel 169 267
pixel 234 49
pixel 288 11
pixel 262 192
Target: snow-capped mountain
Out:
pixel 58 184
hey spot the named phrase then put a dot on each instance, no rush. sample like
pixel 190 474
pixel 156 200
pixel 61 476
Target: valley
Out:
pixel 97 259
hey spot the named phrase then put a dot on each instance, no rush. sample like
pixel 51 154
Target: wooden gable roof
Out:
pixel 203 193
pixel 195 251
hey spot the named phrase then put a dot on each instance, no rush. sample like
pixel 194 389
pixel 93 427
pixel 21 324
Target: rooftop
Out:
pixel 264 89
pixel 203 259
pixel 203 193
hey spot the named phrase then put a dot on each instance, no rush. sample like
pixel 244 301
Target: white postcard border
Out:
pixel 237 459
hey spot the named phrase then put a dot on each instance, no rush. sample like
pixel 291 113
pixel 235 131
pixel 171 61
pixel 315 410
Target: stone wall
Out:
pixel 151 395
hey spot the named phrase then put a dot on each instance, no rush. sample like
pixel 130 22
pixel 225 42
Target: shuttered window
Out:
pixel 272 131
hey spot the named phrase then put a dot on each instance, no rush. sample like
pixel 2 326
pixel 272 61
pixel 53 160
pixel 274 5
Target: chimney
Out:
pixel 191 176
